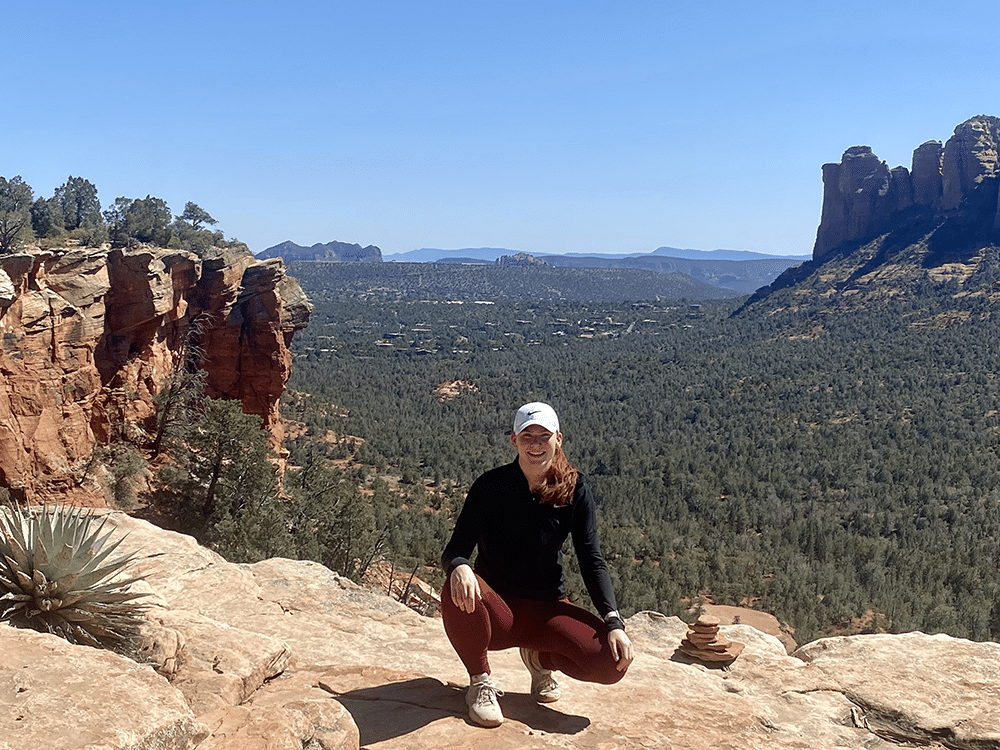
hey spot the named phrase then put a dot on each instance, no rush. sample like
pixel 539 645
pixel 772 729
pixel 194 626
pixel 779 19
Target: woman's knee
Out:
pixel 610 674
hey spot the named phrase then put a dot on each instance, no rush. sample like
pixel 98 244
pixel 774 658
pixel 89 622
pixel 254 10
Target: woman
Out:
pixel 518 516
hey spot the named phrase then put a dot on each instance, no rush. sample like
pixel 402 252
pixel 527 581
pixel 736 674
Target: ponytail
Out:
pixel 560 481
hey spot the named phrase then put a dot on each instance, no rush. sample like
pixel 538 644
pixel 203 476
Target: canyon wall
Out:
pixel 90 335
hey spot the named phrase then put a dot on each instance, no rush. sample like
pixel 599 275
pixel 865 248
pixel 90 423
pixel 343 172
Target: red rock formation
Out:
pixel 862 197
pixel 970 156
pixel 927 173
pixel 247 355
pixel 89 336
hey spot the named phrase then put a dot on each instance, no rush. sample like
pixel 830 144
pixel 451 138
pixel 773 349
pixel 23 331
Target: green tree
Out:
pixel 116 217
pixel 15 213
pixel 132 222
pixel 221 485
pixel 195 215
pixel 186 237
pixel 47 218
pixel 181 393
pixel 331 521
pixel 77 197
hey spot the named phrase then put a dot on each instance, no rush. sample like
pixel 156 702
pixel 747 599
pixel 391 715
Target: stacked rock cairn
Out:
pixel 704 642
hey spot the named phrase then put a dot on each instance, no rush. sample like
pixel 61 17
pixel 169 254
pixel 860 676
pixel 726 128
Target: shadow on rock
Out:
pixel 681 658
pixel 395 709
pixel 522 708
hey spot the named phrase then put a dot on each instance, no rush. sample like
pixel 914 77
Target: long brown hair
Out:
pixel 559 483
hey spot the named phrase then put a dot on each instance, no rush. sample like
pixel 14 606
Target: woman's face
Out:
pixel 536 447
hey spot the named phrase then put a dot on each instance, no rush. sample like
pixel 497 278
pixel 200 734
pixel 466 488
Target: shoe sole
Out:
pixel 486 724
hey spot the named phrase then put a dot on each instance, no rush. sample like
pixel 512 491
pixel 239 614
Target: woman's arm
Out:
pixel 455 560
pixel 588 552
pixel 597 578
pixel 467 531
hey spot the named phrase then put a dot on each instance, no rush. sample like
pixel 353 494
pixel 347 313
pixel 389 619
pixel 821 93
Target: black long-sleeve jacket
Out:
pixel 520 540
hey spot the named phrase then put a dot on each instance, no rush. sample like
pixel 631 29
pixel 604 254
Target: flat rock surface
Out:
pixel 309 660
pixel 57 695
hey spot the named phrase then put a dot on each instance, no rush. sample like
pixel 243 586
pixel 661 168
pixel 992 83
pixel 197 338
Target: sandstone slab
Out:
pixel 362 670
pixel 57 695
pixel 879 673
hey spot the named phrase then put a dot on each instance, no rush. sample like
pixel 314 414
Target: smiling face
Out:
pixel 536 447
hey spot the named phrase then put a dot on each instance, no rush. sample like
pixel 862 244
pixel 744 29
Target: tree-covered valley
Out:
pixel 836 469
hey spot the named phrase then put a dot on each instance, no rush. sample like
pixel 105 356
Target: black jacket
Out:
pixel 520 540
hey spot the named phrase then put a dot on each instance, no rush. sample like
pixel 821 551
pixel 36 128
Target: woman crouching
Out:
pixel 518 516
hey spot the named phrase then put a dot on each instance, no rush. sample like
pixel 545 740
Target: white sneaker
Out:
pixel 544 688
pixel 484 709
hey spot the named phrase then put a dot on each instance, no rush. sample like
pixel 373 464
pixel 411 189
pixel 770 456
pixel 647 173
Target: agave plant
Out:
pixel 57 575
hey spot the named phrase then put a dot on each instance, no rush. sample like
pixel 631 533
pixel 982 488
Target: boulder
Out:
pixel 914 688
pixel 220 666
pixel 7 292
pixel 57 695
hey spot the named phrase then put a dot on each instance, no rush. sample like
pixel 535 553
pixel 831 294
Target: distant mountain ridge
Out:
pixel 740 271
pixel 331 251
pixel 743 276
pixel 490 254
pixel 435 255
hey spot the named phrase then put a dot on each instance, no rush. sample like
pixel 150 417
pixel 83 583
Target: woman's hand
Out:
pixel 621 648
pixel 465 588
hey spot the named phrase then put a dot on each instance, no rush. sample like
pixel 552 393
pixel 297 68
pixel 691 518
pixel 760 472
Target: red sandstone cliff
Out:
pixel 88 335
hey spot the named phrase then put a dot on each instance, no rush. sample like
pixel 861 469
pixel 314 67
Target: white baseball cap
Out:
pixel 536 413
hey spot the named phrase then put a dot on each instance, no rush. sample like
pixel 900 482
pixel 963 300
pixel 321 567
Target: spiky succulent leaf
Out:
pixel 8 568
pixel 57 575
pixel 64 557
pixel 14 543
pixel 88 579
pixel 26 582
pixel 42 543
pixel 94 551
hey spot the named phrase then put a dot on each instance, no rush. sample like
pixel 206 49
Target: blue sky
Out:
pixel 537 126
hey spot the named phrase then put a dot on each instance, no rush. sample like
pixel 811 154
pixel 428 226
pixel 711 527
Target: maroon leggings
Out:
pixel 568 638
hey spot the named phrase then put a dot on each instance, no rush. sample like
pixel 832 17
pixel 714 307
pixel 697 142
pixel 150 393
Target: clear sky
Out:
pixel 540 126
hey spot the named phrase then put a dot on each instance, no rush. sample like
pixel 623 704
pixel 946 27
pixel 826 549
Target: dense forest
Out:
pixel 837 470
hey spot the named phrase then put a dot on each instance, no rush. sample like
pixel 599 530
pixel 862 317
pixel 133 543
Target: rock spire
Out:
pixel 863 198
